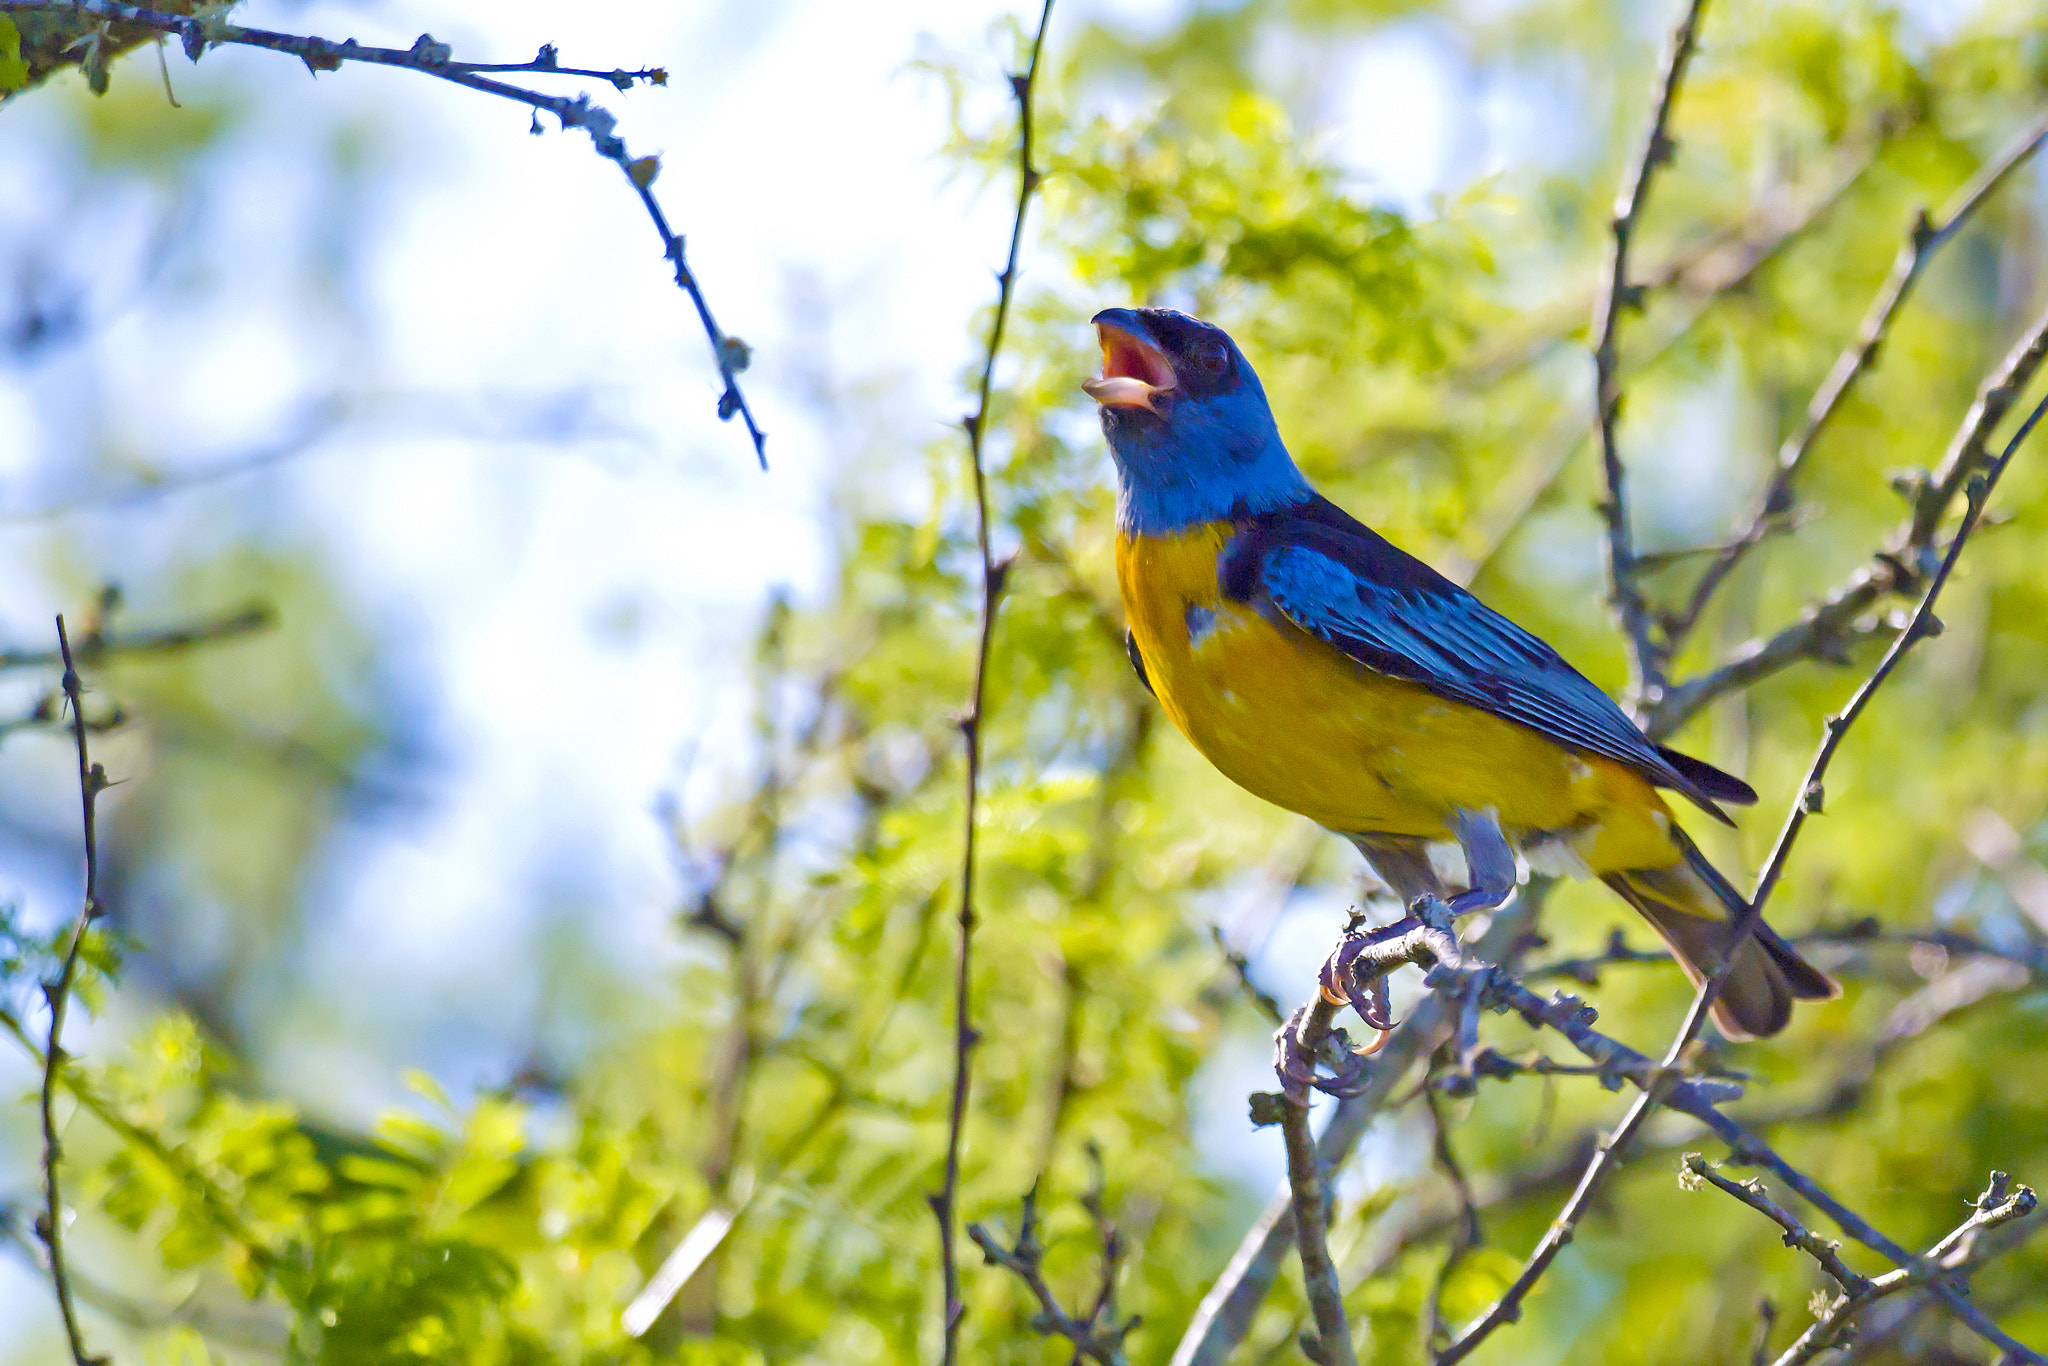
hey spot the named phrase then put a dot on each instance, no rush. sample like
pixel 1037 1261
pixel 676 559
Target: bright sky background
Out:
pixel 539 589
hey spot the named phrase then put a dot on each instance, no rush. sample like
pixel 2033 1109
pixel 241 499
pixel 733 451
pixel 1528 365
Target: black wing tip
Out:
pixel 1710 781
pixel 1137 660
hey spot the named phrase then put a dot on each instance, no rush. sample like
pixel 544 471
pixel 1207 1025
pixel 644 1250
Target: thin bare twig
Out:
pixel 1726 266
pixel 1948 1260
pixel 1466 1234
pixel 1811 792
pixel 1746 1147
pixel 1100 1336
pixel 1241 973
pixel 435 59
pixel 1626 594
pixel 1607 1158
pixel 1822 630
pixel 1925 237
pixel 92 780
pixel 98 644
pixel 945 1201
pixel 1826 1251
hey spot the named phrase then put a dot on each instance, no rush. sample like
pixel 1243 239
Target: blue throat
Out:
pixel 1166 486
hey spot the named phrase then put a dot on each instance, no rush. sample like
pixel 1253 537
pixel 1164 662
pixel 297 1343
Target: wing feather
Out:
pixel 1343 583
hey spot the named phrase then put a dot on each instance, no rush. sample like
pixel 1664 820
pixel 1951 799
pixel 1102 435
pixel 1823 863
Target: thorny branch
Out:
pixel 1948 1261
pixel 1625 592
pixel 92 780
pixel 1618 952
pixel 945 1201
pixel 1925 237
pixel 198 33
pixel 1724 268
pixel 1607 1158
pixel 1400 1231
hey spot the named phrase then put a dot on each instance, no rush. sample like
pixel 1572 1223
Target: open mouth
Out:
pixel 1134 371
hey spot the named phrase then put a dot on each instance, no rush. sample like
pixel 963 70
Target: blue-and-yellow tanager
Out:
pixel 1323 669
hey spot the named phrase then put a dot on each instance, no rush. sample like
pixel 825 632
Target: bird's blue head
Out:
pixel 1187 423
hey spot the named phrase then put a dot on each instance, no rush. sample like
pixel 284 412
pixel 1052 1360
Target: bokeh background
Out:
pixel 575 850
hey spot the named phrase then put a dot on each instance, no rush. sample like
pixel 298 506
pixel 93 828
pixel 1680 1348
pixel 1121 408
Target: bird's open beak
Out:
pixel 1134 371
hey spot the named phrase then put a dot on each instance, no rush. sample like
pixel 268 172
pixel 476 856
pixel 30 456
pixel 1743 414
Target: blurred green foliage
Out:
pixel 1428 368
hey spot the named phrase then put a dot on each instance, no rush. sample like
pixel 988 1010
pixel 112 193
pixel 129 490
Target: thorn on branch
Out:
pixel 319 55
pixel 1923 231
pixel 734 355
pixel 429 53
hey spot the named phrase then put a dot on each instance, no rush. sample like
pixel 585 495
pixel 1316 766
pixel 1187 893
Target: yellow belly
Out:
pixel 1305 727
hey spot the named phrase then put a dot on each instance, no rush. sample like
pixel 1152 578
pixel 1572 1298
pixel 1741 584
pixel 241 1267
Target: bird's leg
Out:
pixel 1356 975
pixel 1489 860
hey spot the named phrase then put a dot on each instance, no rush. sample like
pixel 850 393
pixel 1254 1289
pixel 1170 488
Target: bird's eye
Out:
pixel 1211 356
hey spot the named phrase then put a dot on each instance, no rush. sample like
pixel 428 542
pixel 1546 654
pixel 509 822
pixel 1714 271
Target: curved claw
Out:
pixel 1340 986
pixel 1296 1069
pixel 1350 1081
pixel 1373 1004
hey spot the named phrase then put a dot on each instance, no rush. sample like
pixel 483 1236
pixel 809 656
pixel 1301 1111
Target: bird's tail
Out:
pixel 1692 906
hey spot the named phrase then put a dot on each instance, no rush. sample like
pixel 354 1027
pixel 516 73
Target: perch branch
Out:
pixel 1224 1318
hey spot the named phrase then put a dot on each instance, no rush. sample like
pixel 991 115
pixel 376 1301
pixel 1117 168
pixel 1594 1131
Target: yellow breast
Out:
pixel 1305 727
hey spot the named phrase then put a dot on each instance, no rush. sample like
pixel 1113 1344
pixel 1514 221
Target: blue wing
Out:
pixel 1337 579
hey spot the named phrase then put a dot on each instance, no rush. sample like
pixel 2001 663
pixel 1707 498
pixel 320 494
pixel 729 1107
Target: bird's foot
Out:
pixel 1341 983
pixel 1296 1064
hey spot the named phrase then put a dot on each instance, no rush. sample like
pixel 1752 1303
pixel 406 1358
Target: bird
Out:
pixel 1324 669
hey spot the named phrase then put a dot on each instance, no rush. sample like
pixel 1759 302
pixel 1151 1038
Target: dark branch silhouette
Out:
pixel 92 780
pixel 1623 590
pixel 436 59
pixel 945 1201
